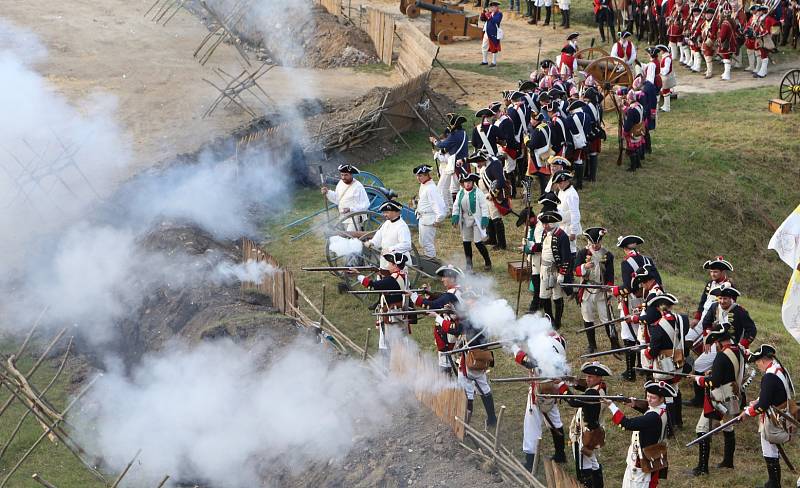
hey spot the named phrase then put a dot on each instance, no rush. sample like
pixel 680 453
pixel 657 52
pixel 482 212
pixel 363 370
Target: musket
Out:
pixel 785 416
pixel 528 379
pixel 672 373
pixel 384 292
pixel 610 322
pixel 488 345
pixel 538 55
pixel 421 311
pixel 340 268
pixel 713 431
pixel 306 218
pixel 618 398
pixel 587 286
pixel 324 197
pixel 638 347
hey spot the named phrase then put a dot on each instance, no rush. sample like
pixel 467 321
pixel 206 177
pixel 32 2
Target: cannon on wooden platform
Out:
pixel 448 22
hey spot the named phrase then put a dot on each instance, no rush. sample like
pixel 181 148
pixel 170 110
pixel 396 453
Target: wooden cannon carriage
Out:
pixel 449 22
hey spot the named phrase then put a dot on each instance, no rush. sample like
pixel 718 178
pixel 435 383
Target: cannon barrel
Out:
pixel 438 8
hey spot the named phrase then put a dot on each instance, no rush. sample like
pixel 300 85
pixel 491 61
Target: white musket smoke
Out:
pixel 343 246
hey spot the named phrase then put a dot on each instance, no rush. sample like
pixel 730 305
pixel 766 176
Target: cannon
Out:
pixel 449 22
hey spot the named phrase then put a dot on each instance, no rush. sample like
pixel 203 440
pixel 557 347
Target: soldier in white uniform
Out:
pixel 349 196
pixel 594 265
pixel 471 216
pixel 393 235
pixel 539 409
pixel 569 208
pixel 533 245
pixel 431 209
pixel 556 267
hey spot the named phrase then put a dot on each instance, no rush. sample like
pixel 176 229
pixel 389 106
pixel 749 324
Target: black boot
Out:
pixel 547 307
pixel 728 450
pixel 485 253
pixel 559 309
pixel 488 404
pixel 602 29
pixel 630 362
pixel 566 14
pixel 491 234
pixel 585 477
pixel 468 254
pixel 699 393
pixel 632 159
pixel 597 477
pixel 590 337
pixel 529 462
pixel 677 409
pixel 563 19
pixel 647 147
pixel 579 176
pixel 547 12
pixel 592 167
pixel 774 472
pixel 536 302
pixel 558 443
pixel 500 232
pixel 468 414
pixel 703 450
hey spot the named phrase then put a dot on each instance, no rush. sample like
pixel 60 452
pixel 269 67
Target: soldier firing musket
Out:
pixel 594 265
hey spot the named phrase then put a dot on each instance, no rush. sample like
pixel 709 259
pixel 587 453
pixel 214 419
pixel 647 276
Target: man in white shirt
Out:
pixel 431 209
pixel 624 49
pixel 569 208
pixel 393 235
pixel 350 196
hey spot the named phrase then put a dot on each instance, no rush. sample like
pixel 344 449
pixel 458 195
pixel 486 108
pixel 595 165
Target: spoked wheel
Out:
pixel 362 225
pixel 790 87
pixel 610 73
pixel 368 179
pixel 591 53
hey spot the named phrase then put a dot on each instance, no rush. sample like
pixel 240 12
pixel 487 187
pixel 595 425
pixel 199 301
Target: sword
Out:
pixel 396 313
pixel 540 379
pixel 638 347
pixel 488 345
pixel 672 373
pixel 711 432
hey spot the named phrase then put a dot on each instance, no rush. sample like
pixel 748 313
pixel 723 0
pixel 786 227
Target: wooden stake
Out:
pixel 42 481
pixel 163 482
pixel 125 471
pixel 30 332
pixel 322 308
pixel 497 430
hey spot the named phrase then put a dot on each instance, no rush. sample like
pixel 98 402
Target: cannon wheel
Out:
pixel 610 72
pixel 790 87
pixel 368 179
pixel 412 11
pixel 591 53
pixel 444 37
pixel 370 223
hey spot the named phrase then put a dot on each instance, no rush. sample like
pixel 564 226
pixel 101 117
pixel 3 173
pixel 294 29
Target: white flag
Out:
pixel 786 242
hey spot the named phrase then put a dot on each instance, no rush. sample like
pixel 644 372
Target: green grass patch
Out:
pixel 373 68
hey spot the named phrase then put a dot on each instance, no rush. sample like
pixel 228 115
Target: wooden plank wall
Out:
pixel 431 387
pixel 380 28
pixel 416 53
pixel 278 285
pixel 332 6
pixel 398 111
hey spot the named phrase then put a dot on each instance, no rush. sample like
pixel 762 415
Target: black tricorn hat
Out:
pixel 623 35
pixel 455 120
pixel 526 85
pixel 397 258
pixel 716 335
pixel 562 175
pixel 422 169
pixel 523 216
pixel 595 368
pixel 348 168
pixel 484 112
pixel 561 161
pixel 663 299
pixel 652 51
pixel 549 217
pixel 572 36
pixel 625 241
pixel 660 388
pixel 390 206
pixel 450 271
pixel 546 63
pixel 473 177
pixel 516 95
pixel 576 105
pixel 550 198
pixel 726 290
pixel 643 274
pixel 478 156
pixel 765 351
pixel 496 107
pixel 595 234
pixel 718 263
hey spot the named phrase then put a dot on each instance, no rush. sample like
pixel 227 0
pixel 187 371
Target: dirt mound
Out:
pixel 415 450
pixel 200 311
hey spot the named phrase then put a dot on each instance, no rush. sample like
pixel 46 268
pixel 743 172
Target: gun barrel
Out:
pixel 488 345
pixel 615 351
pixel 383 292
pixel 528 379
pixel 438 8
pixel 340 268
pixel 618 398
pixel 659 371
pixel 422 311
pixel 597 326
pixel 587 286
pixel 715 430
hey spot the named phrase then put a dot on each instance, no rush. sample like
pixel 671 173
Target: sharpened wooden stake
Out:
pixel 497 430
pixel 163 482
pixel 125 471
pixel 366 344
pixel 42 481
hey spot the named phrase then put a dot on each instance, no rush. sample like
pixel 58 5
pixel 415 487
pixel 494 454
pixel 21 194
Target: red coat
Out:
pixel 710 38
pixel 726 38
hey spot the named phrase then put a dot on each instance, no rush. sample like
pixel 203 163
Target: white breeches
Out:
pixel 532 424
pixel 705 360
pixel 474 380
pixel 768 449
pixel 593 307
pixel 448 185
pixel 551 281
pixel 427 240
pixel 634 477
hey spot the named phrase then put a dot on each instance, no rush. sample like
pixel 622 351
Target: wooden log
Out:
pixel 33 328
pixel 125 471
pixel 163 481
pixel 42 481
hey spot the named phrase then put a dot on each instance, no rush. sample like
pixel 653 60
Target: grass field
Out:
pixel 709 188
